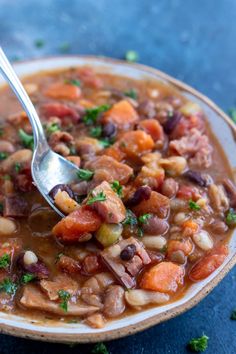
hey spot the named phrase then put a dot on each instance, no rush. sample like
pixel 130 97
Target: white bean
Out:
pixel 30 258
pixel 203 240
pixel 180 217
pixel 155 242
pixel 7 226
pixel 140 297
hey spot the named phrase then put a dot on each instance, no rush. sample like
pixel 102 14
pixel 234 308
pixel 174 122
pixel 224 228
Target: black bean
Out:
pixel 63 188
pixel 142 193
pixel 109 130
pixel 195 177
pixel 172 122
pixel 128 252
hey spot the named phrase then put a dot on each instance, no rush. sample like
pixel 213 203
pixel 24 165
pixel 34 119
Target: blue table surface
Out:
pixel 191 40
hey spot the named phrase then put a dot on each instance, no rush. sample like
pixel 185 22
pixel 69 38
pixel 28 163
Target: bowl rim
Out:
pixel 158 318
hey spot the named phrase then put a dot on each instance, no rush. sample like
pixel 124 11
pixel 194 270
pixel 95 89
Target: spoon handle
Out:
pixel 10 76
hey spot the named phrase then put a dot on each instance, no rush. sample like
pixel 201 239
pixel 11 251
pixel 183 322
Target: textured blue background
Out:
pixel 193 40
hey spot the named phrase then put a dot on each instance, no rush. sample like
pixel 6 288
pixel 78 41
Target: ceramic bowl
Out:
pixel 225 131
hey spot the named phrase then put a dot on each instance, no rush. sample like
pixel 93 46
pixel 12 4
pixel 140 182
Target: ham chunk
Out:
pixel 125 271
pixel 34 299
pixel 15 207
pixel 110 168
pixel 195 147
pixel 112 209
pixel 61 282
pixel 157 204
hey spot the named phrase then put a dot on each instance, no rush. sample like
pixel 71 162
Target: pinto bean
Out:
pixel 219 227
pixel 169 187
pixel 155 226
pixel 114 301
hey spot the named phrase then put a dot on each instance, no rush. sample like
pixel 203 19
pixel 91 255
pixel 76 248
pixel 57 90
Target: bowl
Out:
pixel 224 130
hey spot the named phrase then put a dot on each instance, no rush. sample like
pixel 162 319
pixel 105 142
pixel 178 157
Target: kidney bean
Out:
pixel 128 252
pixel 195 177
pixel 219 227
pixel 63 188
pixel 142 193
pixel 172 122
pixel 109 130
pixel 155 226
pixel 169 187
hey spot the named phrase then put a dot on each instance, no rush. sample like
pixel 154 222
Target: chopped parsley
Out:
pixel 92 114
pixel 131 56
pixel 64 296
pixel 144 218
pixel 105 142
pixel 100 348
pixel 74 82
pixel 8 286
pixel 1 131
pixel 26 278
pixel 58 256
pixel 131 93
pixel 100 197
pixel 39 43
pixel 198 344
pixel 233 315
pixel 6 177
pixel 1 207
pixel 17 167
pixel 231 217
pixel 194 206
pixel 52 128
pixel 85 175
pixel 3 155
pixel 115 185
pixel 96 132
pixel 26 139
pixel 232 114
pixel 130 218
pixel 5 261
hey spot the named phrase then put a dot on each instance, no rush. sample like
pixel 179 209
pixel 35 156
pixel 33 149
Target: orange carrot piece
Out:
pixel 63 91
pixel 164 277
pixel 209 263
pixel 135 142
pixel 153 128
pixel 184 245
pixel 121 114
pixel 190 227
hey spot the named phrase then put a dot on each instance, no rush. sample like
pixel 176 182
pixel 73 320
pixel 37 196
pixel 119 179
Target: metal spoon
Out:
pixel 47 167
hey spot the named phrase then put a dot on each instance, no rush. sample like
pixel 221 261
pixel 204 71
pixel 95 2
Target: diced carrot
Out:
pixel 121 114
pixel 75 225
pixel 63 91
pixel 135 142
pixel 164 277
pixel 114 152
pixel 153 128
pixel 190 227
pixel 184 245
pixel 209 263
pixel 157 204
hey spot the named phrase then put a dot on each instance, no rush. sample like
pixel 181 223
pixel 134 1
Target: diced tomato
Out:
pixel 63 91
pixel 75 225
pixel 164 277
pixel 157 204
pixel 59 110
pixel 153 128
pixel 209 263
pixel 122 114
pixel 135 142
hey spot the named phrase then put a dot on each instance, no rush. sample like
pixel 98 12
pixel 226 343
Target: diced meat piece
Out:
pixel 15 207
pixel 115 170
pixel 125 271
pixel 61 282
pixel 157 204
pixel 60 137
pixel 114 301
pixel 34 299
pixel 185 125
pixel 59 110
pixel 209 263
pixel 95 320
pixel 112 209
pixel 65 91
pixel 114 152
pixel 195 147
pixel 153 128
pixel 164 277
pixel 91 264
pixel 122 114
pixel 89 77
pixel 75 225
pixel 135 143
pixel 68 264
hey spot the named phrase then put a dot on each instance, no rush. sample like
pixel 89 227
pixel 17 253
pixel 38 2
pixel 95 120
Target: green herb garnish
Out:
pixel 17 167
pixel 115 185
pixel 1 207
pixel 131 56
pixel 143 219
pixel 39 43
pixel 105 142
pixel 3 155
pixel 52 128
pixel 130 218
pixel 58 256
pixel 233 315
pixel 100 348
pixel 231 217
pixel 96 132
pixel 5 261
pixel 8 286
pixel 100 197
pixel 64 296
pixel 92 114
pixel 6 177
pixel 85 175
pixel 193 205
pixel 74 82
pixel 26 278
pixel 232 114
pixel 26 139
pixel 1 131
pixel 131 93
pixel 199 344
